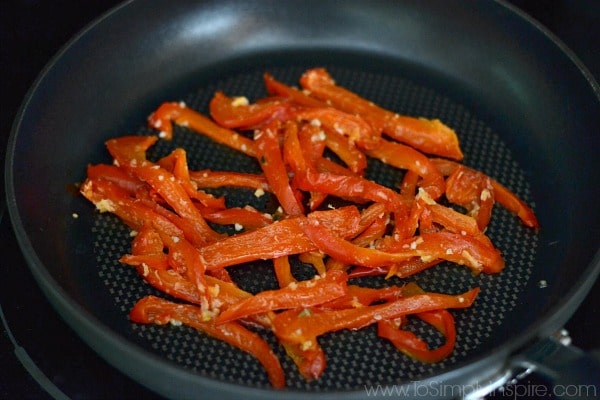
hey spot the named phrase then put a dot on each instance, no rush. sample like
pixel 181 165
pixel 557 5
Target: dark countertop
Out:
pixel 32 32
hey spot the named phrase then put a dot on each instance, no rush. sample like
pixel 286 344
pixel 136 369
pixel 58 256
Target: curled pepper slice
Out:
pixel 153 310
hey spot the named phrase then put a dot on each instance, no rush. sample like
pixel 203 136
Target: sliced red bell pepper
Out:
pixel 411 345
pixel 429 136
pixel 269 154
pixel 348 187
pixel 358 296
pixel 311 362
pixel 283 271
pixel 130 154
pixel 243 218
pixel 275 87
pixel 346 150
pixel 176 163
pixel 208 179
pixel 154 310
pixel 116 175
pixel 179 113
pixel 279 239
pixel 502 194
pixel 405 157
pixel 353 127
pixel 314 258
pixel 305 326
pixel 237 112
pixel 312 292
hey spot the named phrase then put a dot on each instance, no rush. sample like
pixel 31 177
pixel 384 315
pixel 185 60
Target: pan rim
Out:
pixel 551 320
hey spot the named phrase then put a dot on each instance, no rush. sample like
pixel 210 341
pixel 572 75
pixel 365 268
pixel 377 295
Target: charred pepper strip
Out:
pixel 154 310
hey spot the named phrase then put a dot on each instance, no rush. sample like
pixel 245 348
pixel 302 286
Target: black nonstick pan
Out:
pixel 526 112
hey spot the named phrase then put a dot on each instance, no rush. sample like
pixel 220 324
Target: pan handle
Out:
pixel 572 372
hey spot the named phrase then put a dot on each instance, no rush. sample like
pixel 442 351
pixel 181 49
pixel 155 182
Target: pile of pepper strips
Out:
pixel 392 231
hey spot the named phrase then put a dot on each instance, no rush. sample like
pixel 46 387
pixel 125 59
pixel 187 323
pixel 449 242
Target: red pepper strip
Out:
pixel 176 163
pixel 318 290
pixel 147 241
pixel 349 187
pixel 154 261
pixel 404 157
pixel 270 157
pixel 186 226
pixel 154 310
pixel 353 127
pixel 514 204
pixel 472 190
pixel 403 269
pixel 358 296
pixel 408 187
pixel 311 363
pixel 346 151
pixel 183 256
pixel 502 195
pixel 246 217
pixel 452 220
pixel 410 267
pixel 299 152
pixel 314 258
pixel 460 249
pixel 107 197
pixel 405 225
pixel 279 239
pixel 224 294
pixel 373 224
pixel 208 179
pixel 429 136
pixel 455 247
pixel 147 250
pixel 347 252
pixel 283 271
pixel 116 175
pixel 162 181
pixel 411 345
pixel 304 327
pixel 184 116
pixel 238 113
pixel 274 87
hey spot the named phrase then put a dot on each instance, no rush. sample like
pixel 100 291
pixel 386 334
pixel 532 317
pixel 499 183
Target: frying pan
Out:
pixel 526 112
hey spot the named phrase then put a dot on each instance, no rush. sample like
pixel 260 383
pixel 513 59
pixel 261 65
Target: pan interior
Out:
pixel 354 359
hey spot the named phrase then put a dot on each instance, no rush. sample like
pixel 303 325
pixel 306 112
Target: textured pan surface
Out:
pixel 525 112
